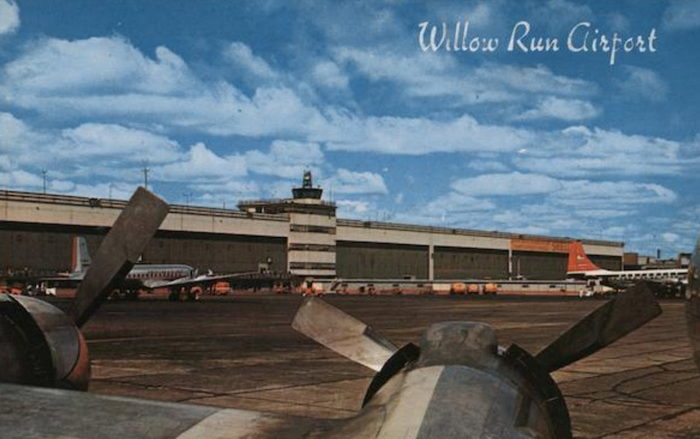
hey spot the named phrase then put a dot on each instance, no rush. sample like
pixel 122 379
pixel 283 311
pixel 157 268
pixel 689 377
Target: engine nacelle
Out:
pixel 40 345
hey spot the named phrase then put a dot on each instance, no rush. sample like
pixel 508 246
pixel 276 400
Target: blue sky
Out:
pixel 227 100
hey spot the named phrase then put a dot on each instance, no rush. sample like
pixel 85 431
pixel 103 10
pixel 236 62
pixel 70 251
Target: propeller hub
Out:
pixel 466 343
pixel 41 346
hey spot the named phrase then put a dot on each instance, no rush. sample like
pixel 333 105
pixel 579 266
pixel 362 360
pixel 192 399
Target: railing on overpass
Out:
pixel 72 200
pixel 465 232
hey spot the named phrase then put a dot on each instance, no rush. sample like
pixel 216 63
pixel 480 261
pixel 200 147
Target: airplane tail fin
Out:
pixel 578 259
pixel 81 255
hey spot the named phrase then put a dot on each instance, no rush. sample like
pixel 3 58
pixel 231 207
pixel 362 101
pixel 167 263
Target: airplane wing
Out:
pixel 206 279
pixel 35 413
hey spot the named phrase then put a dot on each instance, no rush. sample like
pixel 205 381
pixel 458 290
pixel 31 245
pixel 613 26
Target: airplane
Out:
pixel 174 277
pixel 581 267
pixel 141 275
pixel 456 383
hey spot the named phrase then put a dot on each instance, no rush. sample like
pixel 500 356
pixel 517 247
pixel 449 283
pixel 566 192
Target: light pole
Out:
pixel 145 176
pixel 43 173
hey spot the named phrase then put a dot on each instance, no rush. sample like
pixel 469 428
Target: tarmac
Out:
pixel 240 352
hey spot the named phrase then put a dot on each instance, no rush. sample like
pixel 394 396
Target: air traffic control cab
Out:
pixel 312 229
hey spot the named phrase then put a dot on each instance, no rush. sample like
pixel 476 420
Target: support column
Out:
pixel 510 262
pixel 431 262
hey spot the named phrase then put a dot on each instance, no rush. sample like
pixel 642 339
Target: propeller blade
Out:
pixel 342 333
pixel 610 322
pixel 119 251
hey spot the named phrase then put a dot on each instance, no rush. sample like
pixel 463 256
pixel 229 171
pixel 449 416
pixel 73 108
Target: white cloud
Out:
pixel 9 17
pixel 16 137
pixel 109 78
pixel 99 66
pixel 565 109
pixel 352 182
pixel 93 141
pixel 230 191
pixel 580 152
pixel 487 165
pixel 611 194
pixel 84 151
pixel 202 164
pixel 642 82
pixel 286 159
pixel 512 184
pixel 430 75
pixel 682 15
pixel 352 208
pixel 455 202
pixel 118 191
pixel 240 55
pixel 670 237
pixel 21 179
pixel 327 74
pixel 414 136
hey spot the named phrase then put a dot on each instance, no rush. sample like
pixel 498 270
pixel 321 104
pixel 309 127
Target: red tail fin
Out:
pixel 578 260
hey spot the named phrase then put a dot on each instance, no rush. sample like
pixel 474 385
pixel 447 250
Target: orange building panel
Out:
pixel 539 245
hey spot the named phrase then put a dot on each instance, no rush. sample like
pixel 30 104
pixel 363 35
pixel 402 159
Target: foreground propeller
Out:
pixel 613 320
pixel 119 251
pixel 342 333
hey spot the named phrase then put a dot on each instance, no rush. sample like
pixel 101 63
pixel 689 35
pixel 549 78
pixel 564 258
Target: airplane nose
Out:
pixel 468 343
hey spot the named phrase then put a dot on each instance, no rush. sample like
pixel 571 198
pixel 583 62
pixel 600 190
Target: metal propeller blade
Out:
pixel 119 251
pixel 610 322
pixel 342 333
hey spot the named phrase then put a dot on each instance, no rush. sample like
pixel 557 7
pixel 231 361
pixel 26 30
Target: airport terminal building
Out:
pixel 301 235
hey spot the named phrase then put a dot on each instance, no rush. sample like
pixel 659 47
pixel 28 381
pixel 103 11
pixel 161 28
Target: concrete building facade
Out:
pixel 301 235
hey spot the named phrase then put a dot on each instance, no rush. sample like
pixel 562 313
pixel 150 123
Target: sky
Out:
pixel 229 100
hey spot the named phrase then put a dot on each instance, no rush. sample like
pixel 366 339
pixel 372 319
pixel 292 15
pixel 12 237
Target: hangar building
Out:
pixel 300 235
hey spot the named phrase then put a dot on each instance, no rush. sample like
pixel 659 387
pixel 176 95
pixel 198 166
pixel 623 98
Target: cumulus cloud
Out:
pixel 353 208
pixel 327 74
pixel 643 83
pixel 413 136
pixel 87 150
pixel 16 136
pixel 240 55
pixel 9 17
pixel 579 152
pixel 682 15
pixel 564 109
pixel 487 165
pixel 611 194
pixel 98 65
pixel 202 164
pixel 286 158
pixel 351 182
pixel 670 237
pixel 109 78
pixel 512 184
pixel 92 141
pixel 429 75
pixel 455 202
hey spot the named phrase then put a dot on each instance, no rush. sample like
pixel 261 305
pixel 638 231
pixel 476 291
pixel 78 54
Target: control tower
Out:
pixel 312 228
pixel 307 189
